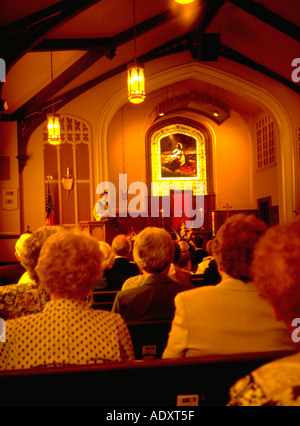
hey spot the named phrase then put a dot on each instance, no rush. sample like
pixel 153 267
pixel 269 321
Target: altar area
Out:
pixel 106 229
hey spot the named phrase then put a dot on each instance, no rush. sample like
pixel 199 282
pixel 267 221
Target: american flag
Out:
pixel 49 209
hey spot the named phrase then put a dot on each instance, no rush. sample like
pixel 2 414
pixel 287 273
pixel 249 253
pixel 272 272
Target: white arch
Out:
pixel 233 84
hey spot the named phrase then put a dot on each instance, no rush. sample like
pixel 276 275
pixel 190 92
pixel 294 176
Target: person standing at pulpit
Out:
pixel 101 208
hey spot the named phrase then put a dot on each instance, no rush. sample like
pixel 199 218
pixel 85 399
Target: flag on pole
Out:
pixel 49 209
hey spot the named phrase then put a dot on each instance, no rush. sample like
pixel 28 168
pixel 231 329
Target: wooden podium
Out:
pixel 103 230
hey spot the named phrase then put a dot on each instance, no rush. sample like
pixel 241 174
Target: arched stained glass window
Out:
pixel 178 155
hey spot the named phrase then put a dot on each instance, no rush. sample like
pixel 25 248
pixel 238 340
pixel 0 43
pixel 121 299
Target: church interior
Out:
pixel 219 67
pixel 121 115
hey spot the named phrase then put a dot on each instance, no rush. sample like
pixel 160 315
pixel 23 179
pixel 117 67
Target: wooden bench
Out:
pixel 103 299
pixel 149 338
pixel 139 383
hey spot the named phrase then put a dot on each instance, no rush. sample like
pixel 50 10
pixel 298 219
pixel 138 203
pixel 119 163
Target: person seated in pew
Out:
pixel 209 268
pixel 211 274
pixel 276 271
pixel 175 272
pixel 230 317
pixel 11 274
pixel 154 299
pixel 198 254
pixel 27 297
pixel 111 281
pixel 121 246
pixel 68 331
pixel 206 260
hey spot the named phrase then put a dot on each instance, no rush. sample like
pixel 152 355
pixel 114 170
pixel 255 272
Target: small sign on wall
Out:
pixel 10 199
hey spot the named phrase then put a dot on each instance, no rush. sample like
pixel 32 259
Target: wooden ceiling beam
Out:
pixel 209 12
pixel 268 17
pixel 233 55
pixel 118 40
pixel 98 47
pixel 20 37
pixel 34 104
pixel 183 43
pixel 180 44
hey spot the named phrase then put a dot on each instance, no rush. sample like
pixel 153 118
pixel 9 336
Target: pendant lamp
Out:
pixel 136 75
pixel 184 1
pixel 53 120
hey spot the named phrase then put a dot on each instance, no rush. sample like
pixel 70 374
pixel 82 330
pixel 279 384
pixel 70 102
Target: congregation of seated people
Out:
pixel 246 305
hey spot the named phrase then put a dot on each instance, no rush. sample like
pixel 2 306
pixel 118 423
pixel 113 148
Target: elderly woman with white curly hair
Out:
pixel 68 331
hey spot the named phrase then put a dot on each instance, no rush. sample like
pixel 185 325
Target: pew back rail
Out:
pixel 137 383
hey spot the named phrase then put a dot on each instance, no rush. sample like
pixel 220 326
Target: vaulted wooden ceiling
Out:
pixel 93 40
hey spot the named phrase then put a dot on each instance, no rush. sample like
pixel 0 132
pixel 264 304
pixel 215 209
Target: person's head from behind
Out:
pixel 108 255
pixel 121 245
pixel 154 250
pixel 276 270
pixel 184 246
pixel 69 265
pixel 177 252
pixel 198 241
pixel 32 246
pixel 184 262
pixel 19 244
pixel 234 244
pixel 208 248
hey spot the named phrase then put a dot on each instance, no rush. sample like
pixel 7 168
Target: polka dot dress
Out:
pixel 66 332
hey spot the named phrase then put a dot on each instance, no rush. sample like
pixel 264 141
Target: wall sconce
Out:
pixel 68 182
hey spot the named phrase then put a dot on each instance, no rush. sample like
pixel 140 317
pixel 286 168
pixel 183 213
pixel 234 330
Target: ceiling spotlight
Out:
pixel 216 113
pixel 184 1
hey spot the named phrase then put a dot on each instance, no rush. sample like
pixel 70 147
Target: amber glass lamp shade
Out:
pixel 136 83
pixel 53 126
pixel 184 1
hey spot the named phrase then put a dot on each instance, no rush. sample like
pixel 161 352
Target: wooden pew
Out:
pixel 157 383
pixel 149 338
pixel 103 299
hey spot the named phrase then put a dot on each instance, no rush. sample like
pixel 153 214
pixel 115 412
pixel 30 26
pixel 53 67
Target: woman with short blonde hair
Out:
pixel 108 255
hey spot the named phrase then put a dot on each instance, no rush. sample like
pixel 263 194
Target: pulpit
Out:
pixel 103 230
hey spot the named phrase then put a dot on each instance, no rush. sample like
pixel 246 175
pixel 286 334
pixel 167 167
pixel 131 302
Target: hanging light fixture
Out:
pixel 184 1
pixel 136 75
pixel 53 120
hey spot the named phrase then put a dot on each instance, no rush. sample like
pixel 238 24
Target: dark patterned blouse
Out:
pixel 17 300
pixel 274 384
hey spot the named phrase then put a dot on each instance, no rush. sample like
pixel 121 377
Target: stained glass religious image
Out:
pixel 178 155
